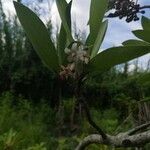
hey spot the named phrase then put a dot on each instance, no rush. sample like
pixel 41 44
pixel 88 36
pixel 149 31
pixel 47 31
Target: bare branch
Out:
pixel 91 139
pixel 120 140
pixel 138 128
pixel 124 122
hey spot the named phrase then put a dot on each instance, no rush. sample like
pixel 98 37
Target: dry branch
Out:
pixel 120 140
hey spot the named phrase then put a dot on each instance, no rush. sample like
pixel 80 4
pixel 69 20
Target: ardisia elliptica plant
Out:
pixel 76 60
pixel 56 58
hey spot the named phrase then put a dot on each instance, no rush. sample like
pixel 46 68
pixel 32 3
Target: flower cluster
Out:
pixel 77 53
pixel 77 57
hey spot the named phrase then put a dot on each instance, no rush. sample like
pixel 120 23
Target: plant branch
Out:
pixel 145 7
pixel 91 122
pixel 120 140
pixel 80 98
pixel 124 122
pixel 138 128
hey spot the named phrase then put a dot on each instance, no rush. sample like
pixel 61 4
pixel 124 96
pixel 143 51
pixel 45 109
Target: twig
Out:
pixel 124 122
pixel 138 128
pixel 144 7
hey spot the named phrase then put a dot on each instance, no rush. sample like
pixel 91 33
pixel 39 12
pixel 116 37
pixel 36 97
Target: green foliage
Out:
pixel 61 45
pixel 38 35
pixel 99 62
pixel 108 119
pixel 22 121
pixel 97 28
pixel 135 42
pixel 26 128
pixel 20 67
pixel 144 78
pixel 23 125
pixel 8 140
pixel 141 34
pixel 144 36
pixel 68 143
pixel 117 55
pixel 65 14
pixel 99 39
pixel 145 23
pixel 68 107
pixel 38 147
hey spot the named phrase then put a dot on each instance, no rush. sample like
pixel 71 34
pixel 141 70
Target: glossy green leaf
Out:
pixel 97 11
pixel 142 34
pixel 61 45
pixel 38 35
pixel 135 43
pixel 117 55
pixel 64 10
pixel 99 39
pixel 145 23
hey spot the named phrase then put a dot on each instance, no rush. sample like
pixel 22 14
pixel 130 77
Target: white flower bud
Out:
pixel 72 66
pixel 74 46
pixel 84 53
pixel 82 58
pixel 81 47
pixel 67 50
pixel 86 60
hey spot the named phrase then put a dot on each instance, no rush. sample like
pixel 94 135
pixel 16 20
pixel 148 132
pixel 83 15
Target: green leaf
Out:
pixel 38 35
pixel 97 11
pixel 100 38
pixel 62 40
pixel 64 10
pixel 145 23
pixel 116 55
pixel 144 78
pixel 142 34
pixel 135 43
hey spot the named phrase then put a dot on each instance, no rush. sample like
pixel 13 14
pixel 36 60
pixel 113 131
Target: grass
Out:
pixel 27 126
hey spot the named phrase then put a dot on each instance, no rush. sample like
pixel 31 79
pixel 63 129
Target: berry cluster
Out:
pixel 126 8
